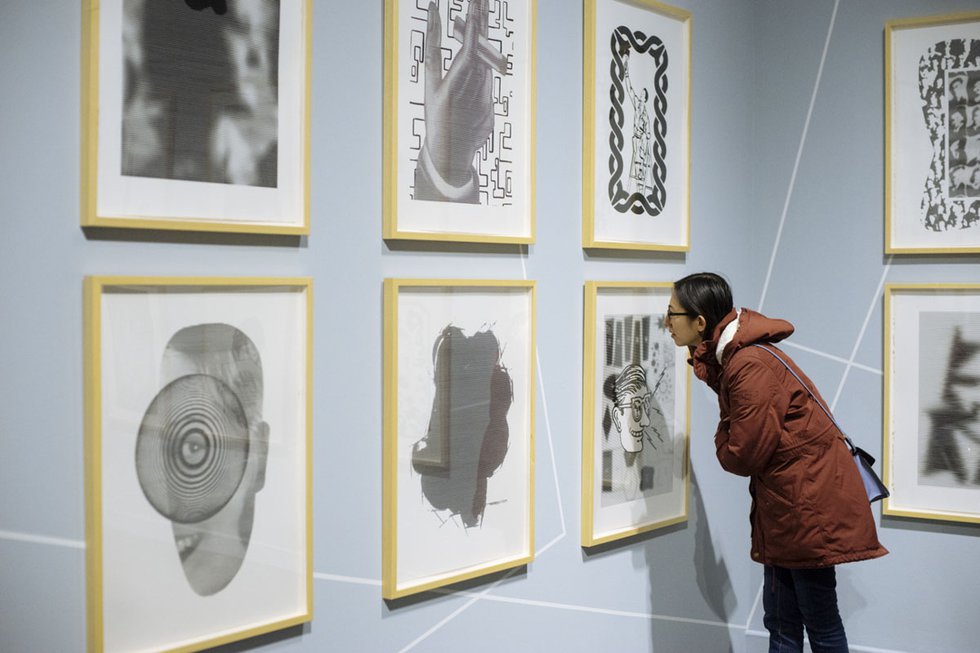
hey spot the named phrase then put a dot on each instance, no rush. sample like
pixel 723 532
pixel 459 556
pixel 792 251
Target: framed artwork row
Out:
pixel 458 431
pixel 636 126
pixel 198 448
pixel 932 142
pixel 635 414
pixel 195 116
pixel 459 110
pixel 931 419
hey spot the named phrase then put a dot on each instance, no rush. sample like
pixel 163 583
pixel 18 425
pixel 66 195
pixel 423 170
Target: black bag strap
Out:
pixel 850 445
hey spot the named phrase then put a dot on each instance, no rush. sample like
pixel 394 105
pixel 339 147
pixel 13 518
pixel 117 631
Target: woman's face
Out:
pixel 686 328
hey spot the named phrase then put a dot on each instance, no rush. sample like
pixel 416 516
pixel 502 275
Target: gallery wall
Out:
pixel 786 200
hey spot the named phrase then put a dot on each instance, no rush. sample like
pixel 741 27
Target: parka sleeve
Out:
pixel 757 404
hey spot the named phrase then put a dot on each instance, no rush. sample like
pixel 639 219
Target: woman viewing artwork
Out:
pixel 809 508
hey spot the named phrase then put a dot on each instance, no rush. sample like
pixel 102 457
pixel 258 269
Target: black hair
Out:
pixel 706 294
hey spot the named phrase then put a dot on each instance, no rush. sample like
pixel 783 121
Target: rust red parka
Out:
pixel 809 508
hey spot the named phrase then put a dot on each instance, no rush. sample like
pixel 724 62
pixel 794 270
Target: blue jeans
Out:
pixel 794 598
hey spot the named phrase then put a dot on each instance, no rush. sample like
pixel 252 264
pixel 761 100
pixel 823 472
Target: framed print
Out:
pixel 458 431
pixel 195 115
pixel 459 120
pixel 635 413
pixel 932 134
pixel 198 460
pixel 931 458
pixel 636 142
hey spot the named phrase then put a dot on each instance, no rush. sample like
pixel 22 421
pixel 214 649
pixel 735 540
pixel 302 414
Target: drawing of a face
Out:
pixel 957 89
pixel 631 413
pixel 957 120
pixel 202 448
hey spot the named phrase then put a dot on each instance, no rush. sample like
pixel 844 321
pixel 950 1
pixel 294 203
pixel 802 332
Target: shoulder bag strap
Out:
pixel 850 445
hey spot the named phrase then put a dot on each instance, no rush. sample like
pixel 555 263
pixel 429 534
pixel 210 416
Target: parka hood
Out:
pixel 752 328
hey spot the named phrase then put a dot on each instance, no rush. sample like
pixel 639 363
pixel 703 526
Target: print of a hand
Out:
pixel 458 107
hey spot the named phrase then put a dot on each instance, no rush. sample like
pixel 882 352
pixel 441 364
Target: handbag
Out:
pixel 873 486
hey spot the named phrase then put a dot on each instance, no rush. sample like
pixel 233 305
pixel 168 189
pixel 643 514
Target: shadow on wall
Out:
pixel 713 583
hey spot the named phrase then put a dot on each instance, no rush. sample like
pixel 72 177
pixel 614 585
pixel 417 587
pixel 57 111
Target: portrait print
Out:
pixel 634 429
pixel 638 443
pixel 460 129
pixel 202 449
pixel 458 472
pixel 201 90
pixel 932 113
pixel 199 449
pixel 195 115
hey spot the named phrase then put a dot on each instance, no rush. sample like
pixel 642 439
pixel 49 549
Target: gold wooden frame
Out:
pixel 93 290
pixel 90 215
pixel 590 536
pixel 893 505
pixel 891 150
pixel 391 229
pixel 391 588
pixel 589 237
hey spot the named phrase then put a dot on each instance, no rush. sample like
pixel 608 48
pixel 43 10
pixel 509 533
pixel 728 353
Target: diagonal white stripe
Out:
pixel 41 539
pixel 864 328
pixel 789 195
pixel 799 155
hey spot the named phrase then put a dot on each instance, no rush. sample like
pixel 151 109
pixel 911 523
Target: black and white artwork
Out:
pixel 467 436
pixel 638 150
pixel 635 426
pixel 202 449
pixel 934 139
pixel 463 157
pixel 201 90
pixel 463 122
pixel 949 399
pixel 195 115
pixel 202 446
pixel 949 85
pixel 637 125
pixel 931 452
pixel 458 435
pixel 637 441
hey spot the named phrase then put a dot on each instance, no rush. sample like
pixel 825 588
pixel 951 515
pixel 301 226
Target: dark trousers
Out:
pixel 794 598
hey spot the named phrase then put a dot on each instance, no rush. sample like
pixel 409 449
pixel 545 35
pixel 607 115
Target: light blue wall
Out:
pixel 688 588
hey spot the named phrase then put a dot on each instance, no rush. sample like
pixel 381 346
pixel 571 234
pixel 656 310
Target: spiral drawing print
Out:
pixel 641 188
pixel 192 448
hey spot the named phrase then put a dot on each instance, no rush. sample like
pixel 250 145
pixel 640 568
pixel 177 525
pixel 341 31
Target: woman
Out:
pixel 809 509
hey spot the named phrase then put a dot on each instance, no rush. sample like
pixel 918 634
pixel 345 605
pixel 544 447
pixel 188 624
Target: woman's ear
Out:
pixel 701 324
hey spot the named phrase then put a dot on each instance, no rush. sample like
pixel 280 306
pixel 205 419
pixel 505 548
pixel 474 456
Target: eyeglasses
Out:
pixel 669 314
pixel 638 405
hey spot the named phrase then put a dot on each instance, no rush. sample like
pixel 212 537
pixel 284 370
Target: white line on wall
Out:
pixel 42 539
pixel 799 155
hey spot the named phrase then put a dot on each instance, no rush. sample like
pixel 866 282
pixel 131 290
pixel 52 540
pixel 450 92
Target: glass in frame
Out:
pixel 635 413
pixel 932 135
pixel 931 458
pixel 458 431
pixel 198 460
pixel 459 121
pixel 636 126
pixel 196 119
